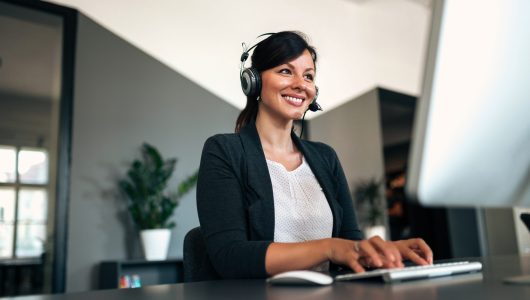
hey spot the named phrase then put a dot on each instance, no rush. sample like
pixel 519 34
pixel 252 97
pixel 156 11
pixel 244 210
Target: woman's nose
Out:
pixel 299 83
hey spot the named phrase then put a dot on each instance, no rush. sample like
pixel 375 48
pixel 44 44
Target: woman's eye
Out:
pixel 285 71
pixel 309 77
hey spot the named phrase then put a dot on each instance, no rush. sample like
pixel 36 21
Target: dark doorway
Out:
pixel 407 219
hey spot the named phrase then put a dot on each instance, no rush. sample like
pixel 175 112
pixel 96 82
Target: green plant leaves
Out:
pixel 368 197
pixel 150 205
pixel 187 184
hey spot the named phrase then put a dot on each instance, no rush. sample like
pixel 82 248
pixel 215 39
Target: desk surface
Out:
pixel 485 285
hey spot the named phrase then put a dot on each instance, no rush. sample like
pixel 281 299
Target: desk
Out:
pixel 484 286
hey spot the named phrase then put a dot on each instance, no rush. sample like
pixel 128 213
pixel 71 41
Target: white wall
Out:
pixel 362 44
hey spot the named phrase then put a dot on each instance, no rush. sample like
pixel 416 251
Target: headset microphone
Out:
pixel 314 106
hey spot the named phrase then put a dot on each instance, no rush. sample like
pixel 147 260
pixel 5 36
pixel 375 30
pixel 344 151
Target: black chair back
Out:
pixel 197 265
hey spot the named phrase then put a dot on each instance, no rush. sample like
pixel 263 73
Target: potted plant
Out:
pixel 149 203
pixel 369 200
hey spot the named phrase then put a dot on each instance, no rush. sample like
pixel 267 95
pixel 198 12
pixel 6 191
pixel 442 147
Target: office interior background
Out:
pixel 84 83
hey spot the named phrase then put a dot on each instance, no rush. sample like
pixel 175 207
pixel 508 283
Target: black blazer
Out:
pixel 235 199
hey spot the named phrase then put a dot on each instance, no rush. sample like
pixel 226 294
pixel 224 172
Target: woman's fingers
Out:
pixel 367 250
pixel 415 250
pixel 376 252
pixel 414 257
pixel 421 249
pixel 356 266
pixel 345 252
pixel 425 250
pixel 380 253
pixel 389 251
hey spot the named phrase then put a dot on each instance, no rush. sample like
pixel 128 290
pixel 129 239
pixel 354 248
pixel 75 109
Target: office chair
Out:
pixel 197 265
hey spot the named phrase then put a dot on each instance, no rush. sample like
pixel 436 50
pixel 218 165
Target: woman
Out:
pixel 269 202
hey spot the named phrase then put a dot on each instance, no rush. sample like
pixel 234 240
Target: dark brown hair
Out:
pixel 273 51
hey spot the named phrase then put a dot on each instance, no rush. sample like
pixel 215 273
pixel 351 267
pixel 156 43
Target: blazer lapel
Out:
pixel 258 183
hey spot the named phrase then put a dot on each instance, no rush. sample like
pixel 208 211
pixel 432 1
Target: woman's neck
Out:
pixel 274 134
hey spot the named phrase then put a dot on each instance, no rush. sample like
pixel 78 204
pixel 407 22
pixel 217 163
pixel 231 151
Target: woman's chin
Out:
pixel 298 115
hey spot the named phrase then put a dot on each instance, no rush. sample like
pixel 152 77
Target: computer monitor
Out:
pixel 471 139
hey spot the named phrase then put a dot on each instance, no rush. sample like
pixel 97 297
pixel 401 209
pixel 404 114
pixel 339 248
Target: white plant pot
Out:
pixel 371 231
pixel 155 243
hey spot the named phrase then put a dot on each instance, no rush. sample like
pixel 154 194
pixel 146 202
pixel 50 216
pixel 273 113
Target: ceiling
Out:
pixel 361 43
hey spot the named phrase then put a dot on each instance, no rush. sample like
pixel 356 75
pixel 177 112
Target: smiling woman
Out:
pixel 270 202
pixel 276 56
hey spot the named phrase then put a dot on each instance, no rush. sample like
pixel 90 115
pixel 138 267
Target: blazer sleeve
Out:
pixel 223 215
pixel 349 227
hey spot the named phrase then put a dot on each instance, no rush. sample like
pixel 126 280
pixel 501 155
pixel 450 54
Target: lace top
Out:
pixel 301 211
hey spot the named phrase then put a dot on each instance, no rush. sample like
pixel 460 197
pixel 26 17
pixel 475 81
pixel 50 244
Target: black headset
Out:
pixel 251 80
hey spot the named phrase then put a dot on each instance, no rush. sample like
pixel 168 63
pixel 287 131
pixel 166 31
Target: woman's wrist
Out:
pixel 326 248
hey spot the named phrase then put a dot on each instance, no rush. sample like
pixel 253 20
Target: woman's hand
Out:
pixel 416 250
pixel 374 252
pixel 388 254
pixel 343 252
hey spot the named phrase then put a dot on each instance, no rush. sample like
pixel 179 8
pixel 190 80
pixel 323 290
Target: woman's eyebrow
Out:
pixel 292 67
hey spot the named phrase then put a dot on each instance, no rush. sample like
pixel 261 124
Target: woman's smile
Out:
pixel 294 100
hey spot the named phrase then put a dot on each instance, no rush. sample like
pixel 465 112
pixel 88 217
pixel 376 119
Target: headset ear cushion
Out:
pixel 251 82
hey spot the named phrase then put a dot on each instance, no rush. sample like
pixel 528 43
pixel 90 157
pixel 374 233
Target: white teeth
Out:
pixel 293 99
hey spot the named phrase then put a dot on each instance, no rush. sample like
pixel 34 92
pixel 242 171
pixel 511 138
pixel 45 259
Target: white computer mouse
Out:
pixel 300 278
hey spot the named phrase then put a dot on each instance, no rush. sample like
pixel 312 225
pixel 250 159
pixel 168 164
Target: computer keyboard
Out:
pixel 415 272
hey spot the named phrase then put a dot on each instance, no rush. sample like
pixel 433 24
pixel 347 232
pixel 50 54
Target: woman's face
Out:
pixel 288 89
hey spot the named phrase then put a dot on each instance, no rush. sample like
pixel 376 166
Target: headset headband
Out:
pixel 244 55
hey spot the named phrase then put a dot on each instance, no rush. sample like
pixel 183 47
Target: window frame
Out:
pixel 17 185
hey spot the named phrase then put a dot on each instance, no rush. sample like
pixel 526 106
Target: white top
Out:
pixel 301 211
